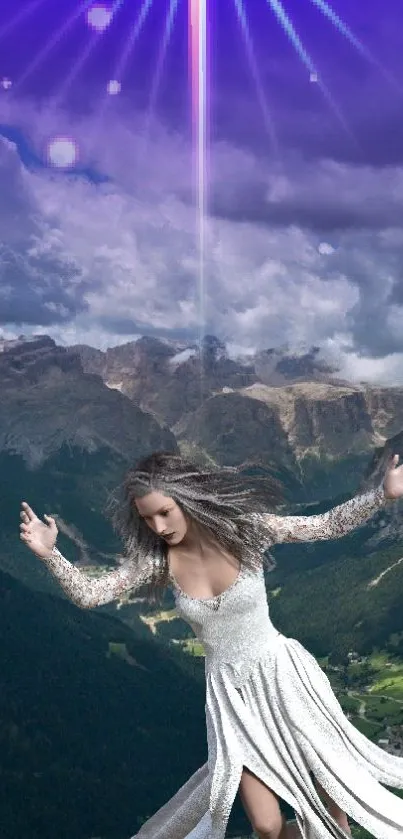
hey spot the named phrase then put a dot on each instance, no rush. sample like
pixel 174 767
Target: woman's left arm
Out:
pixel 338 521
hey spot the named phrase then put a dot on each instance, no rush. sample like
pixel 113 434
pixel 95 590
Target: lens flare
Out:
pixel 62 152
pixel 113 87
pixel 99 17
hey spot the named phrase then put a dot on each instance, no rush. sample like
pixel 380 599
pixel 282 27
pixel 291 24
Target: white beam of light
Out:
pixel 198 60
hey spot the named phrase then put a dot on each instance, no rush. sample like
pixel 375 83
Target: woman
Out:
pixel 274 727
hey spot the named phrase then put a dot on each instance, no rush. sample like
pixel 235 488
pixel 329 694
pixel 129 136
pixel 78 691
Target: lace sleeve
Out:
pixel 331 525
pixel 88 592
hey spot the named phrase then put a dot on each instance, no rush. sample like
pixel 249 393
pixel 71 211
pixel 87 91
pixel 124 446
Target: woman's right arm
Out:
pixel 88 592
pixel 85 591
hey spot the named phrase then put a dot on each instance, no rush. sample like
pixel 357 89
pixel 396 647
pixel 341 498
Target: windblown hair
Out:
pixel 219 501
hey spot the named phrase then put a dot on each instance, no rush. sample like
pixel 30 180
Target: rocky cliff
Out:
pixel 330 420
pixel 304 407
pixel 47 401
pixel 166 378
pixel 319 437
pixel 154 394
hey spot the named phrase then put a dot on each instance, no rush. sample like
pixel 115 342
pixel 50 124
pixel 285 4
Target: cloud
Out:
pixel 104 261
pixel 40 284
pixel 320 196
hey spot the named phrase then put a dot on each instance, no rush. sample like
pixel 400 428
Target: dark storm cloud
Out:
pixel 312 211
pixel 322 197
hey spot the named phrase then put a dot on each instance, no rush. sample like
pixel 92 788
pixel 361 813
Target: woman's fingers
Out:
pixel 28 511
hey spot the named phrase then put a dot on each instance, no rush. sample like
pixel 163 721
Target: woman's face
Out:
pixel 163 516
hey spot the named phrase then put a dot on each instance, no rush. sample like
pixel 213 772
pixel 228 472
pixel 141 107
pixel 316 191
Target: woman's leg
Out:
pixel 333 808
pixel 261 807
pixel 263 811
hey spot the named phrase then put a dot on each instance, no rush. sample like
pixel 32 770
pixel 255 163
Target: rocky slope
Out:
pixel 168 378
pixel 318 436
pixel 321 437
pixel 304 408
pixel 165 377
pixel 47 401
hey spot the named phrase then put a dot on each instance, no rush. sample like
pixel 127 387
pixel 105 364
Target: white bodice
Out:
pixel 234 627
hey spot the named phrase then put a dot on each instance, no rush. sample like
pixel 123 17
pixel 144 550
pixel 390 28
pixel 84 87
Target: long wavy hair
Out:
pixel 218 500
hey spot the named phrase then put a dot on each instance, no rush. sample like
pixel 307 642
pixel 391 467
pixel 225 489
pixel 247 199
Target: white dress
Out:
pixel 269 706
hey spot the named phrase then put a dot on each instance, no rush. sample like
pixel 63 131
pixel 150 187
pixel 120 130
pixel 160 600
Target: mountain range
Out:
pixel 71 422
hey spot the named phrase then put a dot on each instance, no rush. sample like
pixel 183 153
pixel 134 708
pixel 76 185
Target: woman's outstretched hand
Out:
pixel 393 482
pixel 39 537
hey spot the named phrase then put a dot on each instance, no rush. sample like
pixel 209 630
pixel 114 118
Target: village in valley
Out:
pixel 370 691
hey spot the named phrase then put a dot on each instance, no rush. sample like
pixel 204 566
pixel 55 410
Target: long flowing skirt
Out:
pixel 283 722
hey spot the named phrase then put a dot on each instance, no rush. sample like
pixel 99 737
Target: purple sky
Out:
pixel 304 239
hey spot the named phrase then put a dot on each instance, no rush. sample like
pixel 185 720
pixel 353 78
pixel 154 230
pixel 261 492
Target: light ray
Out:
pixel 345 30
pixel 267 117
pixel 198 70
pixel 94 41
pixel 54 41
pixel 133 36
pixel 23 14
pixel 169 23
pixel 118 71
pixel 289 28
